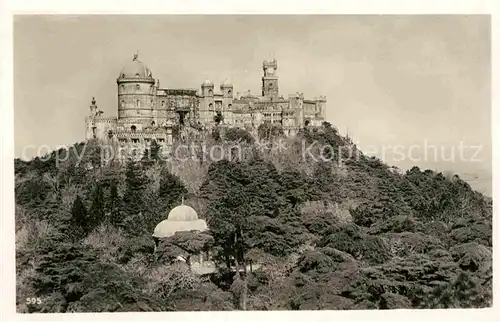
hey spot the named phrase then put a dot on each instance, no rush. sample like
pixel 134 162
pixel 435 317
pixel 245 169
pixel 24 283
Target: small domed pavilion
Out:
pixel 181 218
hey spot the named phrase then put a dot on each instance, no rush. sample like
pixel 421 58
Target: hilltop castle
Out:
pixel 149 112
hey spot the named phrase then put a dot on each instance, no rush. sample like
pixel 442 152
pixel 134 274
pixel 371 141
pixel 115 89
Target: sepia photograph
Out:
pixel 181 163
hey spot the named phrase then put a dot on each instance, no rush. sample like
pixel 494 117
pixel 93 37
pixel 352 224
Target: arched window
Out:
pixel 210 106
pixel 230 106
pixel 229 92
pixel 123 87
pixel 133 128
pixel 123 103
pixel 270 84
pixel 138 87
pixel 137 103
pixel 162 103
pixel 210 92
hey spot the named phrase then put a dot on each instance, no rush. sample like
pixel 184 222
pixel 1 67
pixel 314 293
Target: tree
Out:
pixel 235 134
pixel 79 219
pixel 135 183
pixel 72 278
pixel 151 154
pixel 113 204
pixel 267 131
pixel 171 190
pixel 97 206
pixel 296 188
pixel 218 118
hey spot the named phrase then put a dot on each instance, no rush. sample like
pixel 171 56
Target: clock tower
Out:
pixel 270 79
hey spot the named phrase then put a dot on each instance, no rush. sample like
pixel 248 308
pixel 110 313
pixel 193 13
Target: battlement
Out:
pixel 101 119
pixel 135 80
pixel 141 134
pixel 180 91
pixel 296 96
pixel 270 63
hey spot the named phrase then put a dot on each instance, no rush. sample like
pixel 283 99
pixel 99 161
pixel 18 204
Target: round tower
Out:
pixel 135 91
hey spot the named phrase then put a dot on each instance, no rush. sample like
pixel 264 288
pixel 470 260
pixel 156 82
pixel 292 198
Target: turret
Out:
pixel 207 88
pixel 226 89
pixel 93 107
pixel 270 79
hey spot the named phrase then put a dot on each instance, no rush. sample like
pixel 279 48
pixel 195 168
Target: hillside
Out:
pixel 329 235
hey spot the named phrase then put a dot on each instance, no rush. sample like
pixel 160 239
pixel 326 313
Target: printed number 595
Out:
pixel 33 300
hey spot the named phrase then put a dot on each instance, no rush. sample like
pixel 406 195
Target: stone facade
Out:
pixel 148 112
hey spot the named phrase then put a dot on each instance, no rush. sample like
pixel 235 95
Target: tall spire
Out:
pixel 182 201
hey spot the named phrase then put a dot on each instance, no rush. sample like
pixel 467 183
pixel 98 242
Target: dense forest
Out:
pixel 332 235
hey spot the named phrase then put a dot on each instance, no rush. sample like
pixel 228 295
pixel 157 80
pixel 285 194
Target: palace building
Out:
pixel 147 112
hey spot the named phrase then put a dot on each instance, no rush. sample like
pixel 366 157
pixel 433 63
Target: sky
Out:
pixel 417 82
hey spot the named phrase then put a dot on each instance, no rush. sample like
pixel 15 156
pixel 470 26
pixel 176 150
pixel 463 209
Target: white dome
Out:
pixel 181 218
pixel 207 82
pixel 182 213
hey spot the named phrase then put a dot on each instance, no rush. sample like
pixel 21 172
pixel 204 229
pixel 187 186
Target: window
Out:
pixel 123 87
pixel 137 103
pixel 230 106
pixel 270 84
pixel 123 103
pixel 135 140
pixel 229 92
pixel 210 92
pixel 210 106
pixel 133 128
pixel 138 87
pixel 162 103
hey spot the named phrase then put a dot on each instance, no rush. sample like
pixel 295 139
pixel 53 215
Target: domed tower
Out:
pixel 207 88
pixel 135 92
pixel 226 89
pixel 207 107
